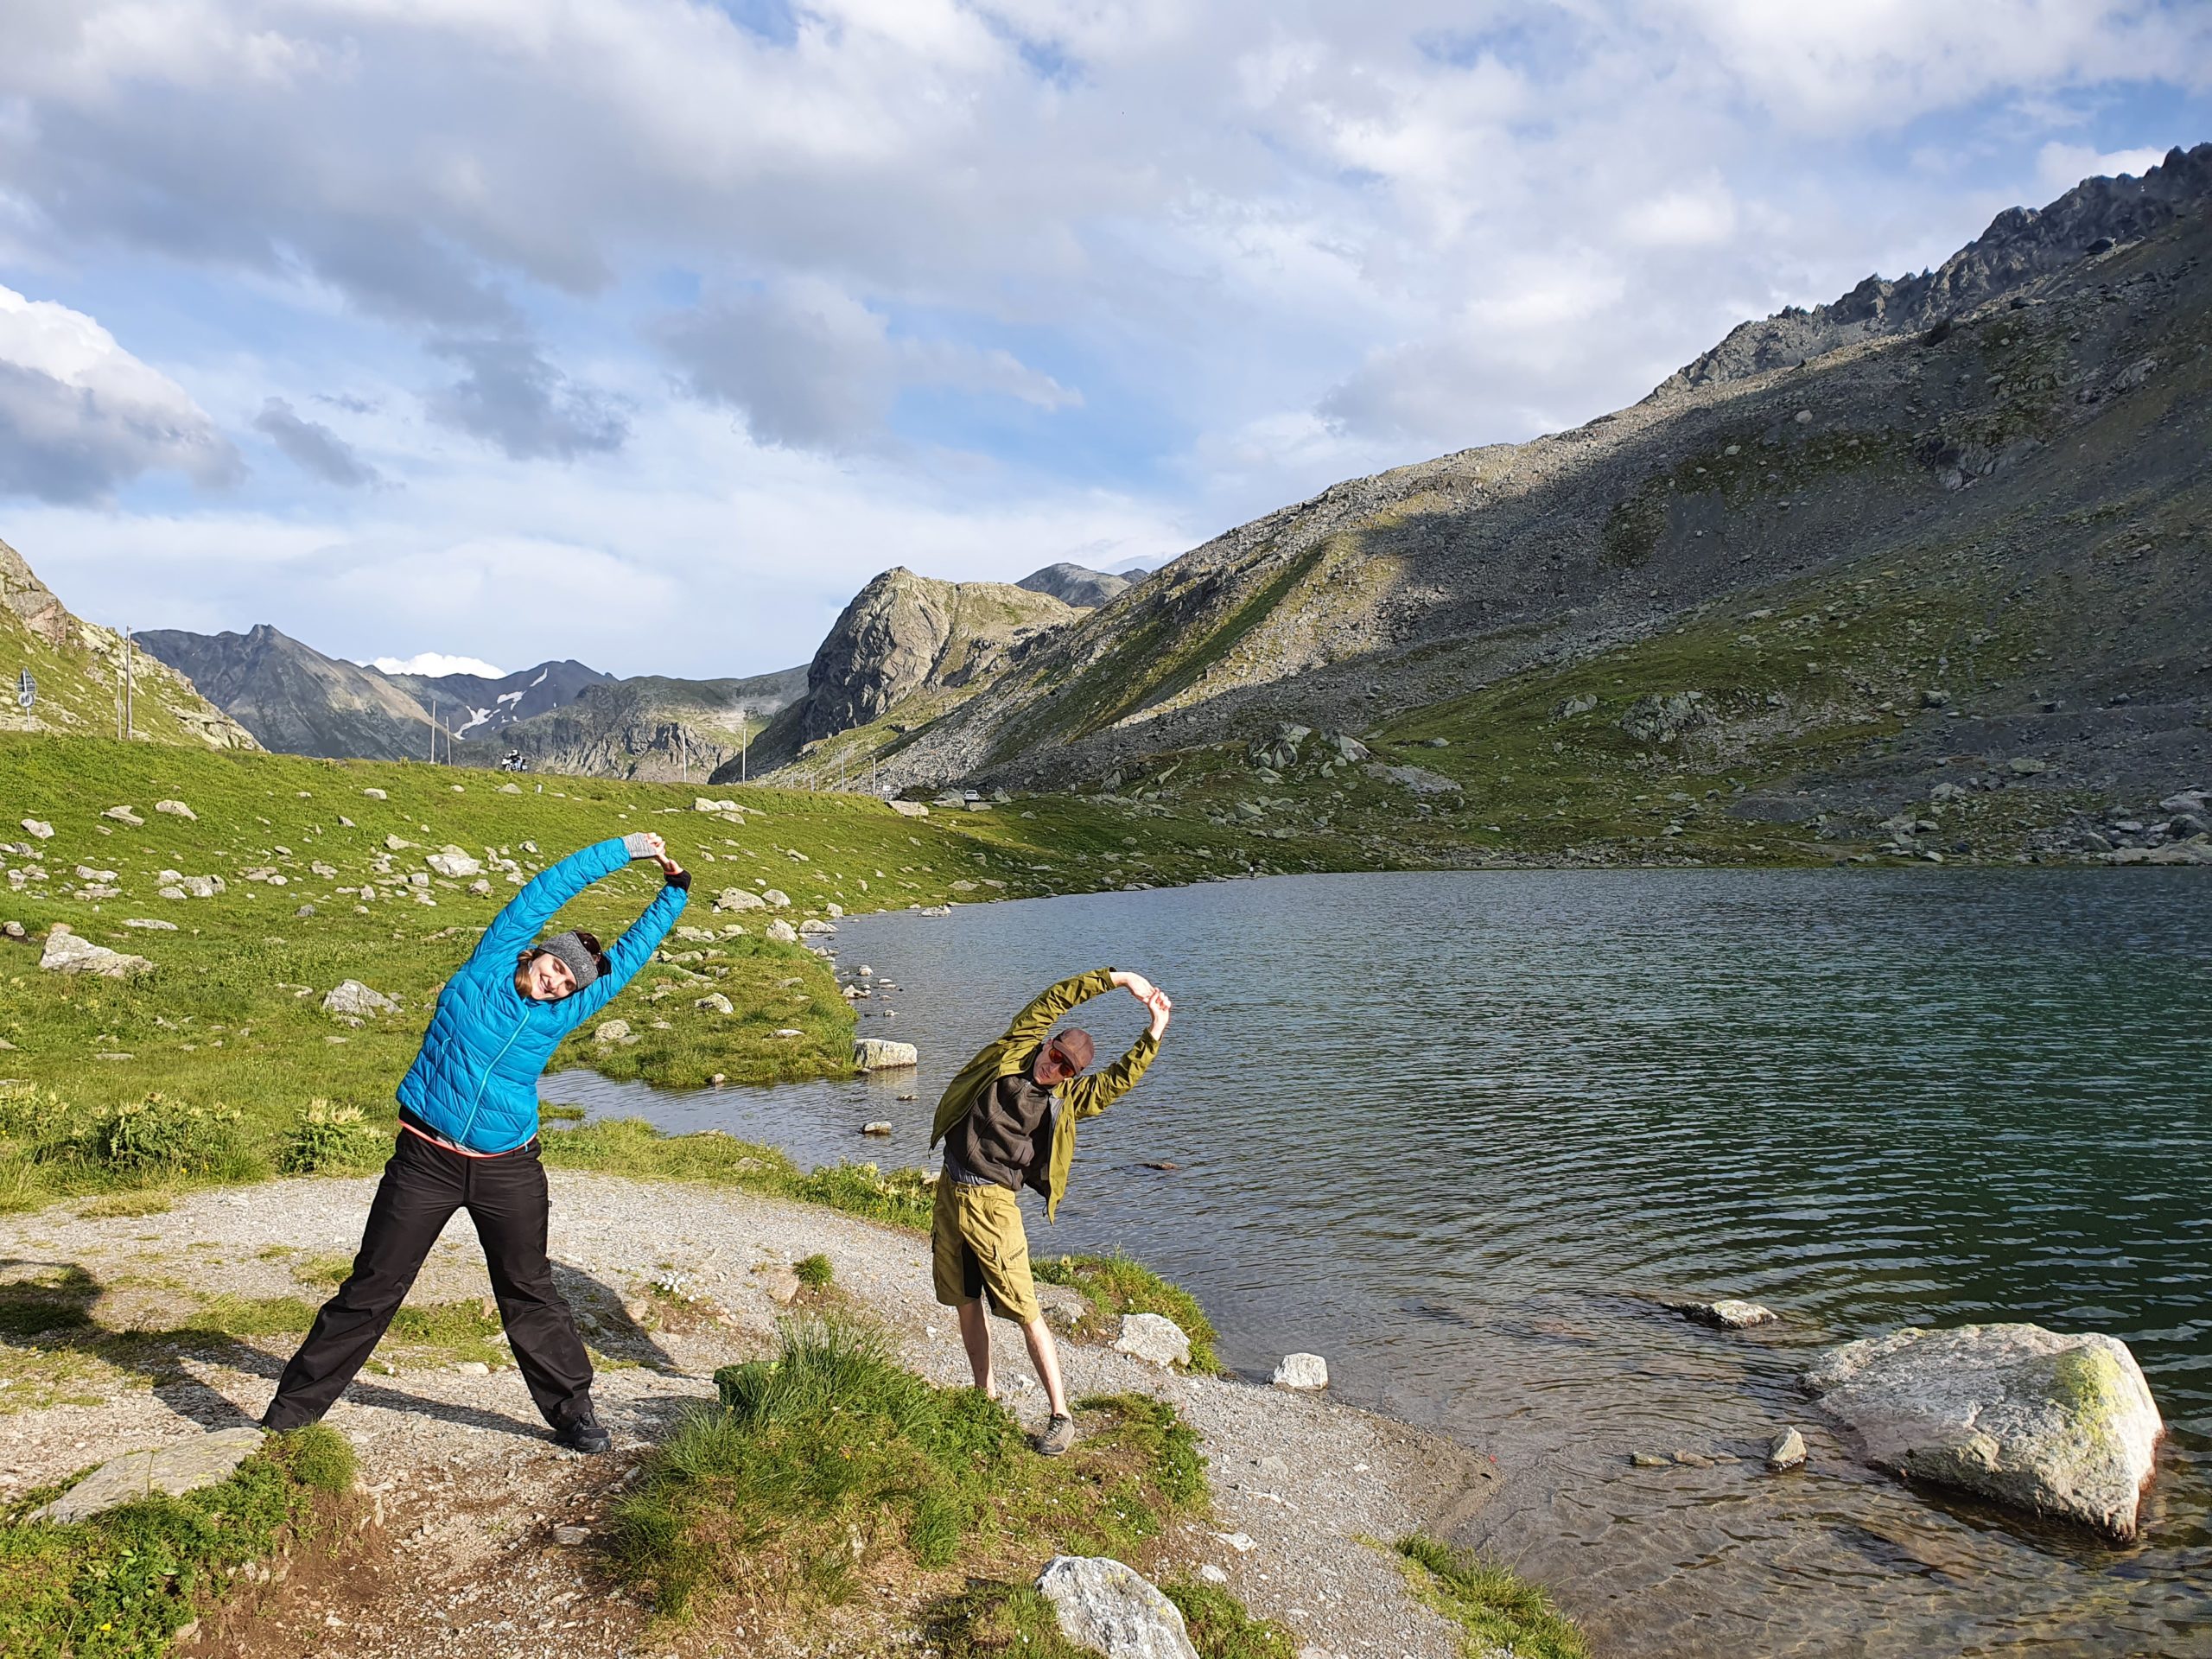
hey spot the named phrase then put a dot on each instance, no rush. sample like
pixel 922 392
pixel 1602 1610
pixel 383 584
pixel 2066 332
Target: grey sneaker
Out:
pixel 1058 1436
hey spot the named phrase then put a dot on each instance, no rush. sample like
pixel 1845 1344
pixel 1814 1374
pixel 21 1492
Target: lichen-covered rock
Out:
pixel 1302 1371
pixel 350 998
pixel 881 1054
pixel 184 1467
pixel 1154 1337
pixel 2060 1425
pixel 1112 1609
pixel 67 953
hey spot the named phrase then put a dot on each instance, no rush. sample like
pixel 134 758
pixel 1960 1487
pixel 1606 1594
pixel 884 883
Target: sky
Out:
pixel 645 331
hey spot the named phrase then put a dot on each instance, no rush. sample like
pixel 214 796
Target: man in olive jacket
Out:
pixel 1008 1121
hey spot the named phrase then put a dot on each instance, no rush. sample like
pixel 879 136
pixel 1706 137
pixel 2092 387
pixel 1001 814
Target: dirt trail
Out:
pixel 475 1533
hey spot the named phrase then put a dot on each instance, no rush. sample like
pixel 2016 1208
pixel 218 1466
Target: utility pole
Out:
pixel 742 717
pixel 434 730
pixel 129 658
pixel 683 750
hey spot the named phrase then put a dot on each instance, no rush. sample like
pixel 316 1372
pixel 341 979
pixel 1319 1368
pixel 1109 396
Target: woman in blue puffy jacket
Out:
pixel 468 1140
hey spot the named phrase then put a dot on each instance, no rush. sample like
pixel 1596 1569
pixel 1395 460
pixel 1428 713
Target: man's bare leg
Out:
pixel 1045 1356
pixel 976 1337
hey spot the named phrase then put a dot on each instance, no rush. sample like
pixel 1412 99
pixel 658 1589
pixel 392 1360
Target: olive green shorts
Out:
pixel 978 1247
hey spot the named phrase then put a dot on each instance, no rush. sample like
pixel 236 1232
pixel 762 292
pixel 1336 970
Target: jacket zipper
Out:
pixel 485 1082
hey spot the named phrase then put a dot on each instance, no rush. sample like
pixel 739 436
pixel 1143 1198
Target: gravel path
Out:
pixel 467 1504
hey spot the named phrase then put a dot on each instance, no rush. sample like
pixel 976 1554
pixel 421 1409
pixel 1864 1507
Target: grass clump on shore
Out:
pixel 120 1584
pixel 831 1469
pixel 1495 1606
pixel 1115 1285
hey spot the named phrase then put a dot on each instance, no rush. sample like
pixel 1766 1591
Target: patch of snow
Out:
pixel 436 664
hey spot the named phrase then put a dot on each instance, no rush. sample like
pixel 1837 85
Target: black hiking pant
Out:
pixel 423 1186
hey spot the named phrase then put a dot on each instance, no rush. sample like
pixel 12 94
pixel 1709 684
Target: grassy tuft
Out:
pixel 830 1468
pixel 1222 1627
pixel 1116 1285
pixel 120 1584
pixel 814 1271
pixel 1494 1606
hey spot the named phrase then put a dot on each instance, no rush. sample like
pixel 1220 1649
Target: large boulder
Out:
pixel 349 999
pixel 1654 720
pixel 1303 1371
pixel 1152 1337
pixel 1112 1609
pixel 184 1467
pixel 881 1054
pixel 67 953
pixel 739 899
pixel 2060 1425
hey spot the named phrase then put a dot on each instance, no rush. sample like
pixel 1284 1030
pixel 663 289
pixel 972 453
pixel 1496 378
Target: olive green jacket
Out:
pixel 1083 1097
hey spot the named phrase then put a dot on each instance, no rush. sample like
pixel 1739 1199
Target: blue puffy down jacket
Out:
pixel 476 1081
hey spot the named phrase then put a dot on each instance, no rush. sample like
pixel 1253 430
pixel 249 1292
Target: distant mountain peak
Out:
pixel 1076 584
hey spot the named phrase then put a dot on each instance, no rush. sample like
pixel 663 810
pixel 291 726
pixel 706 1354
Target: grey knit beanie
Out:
pixel 568 948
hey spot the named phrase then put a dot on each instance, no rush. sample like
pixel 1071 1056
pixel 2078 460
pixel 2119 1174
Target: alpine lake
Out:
pixel 1460 1131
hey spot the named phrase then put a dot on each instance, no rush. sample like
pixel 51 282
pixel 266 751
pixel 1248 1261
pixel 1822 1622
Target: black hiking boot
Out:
pixel 584 1434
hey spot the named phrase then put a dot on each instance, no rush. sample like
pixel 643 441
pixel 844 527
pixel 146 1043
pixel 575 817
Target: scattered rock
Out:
pixel 1062 1305
pixel 879 1127
pixel 782 1286
pixel 714 1002
pixel 613 1031
pixel 1155 1338
pixel 454 862
pixel 1302 1371
pixel 879 1054
pixel 776 899
pixel 570 1534
pixel 304 911
pixel 123 815
pixel 350 997
pixel 374 794
pixel 176 1470
pixel 811 926
pixel 1417 779
pixel 38 827
pixel 13 930
pixel 1112 1609
pixel 472 1368
pixel 739 899
pixel 67 953
pixel 1654 720
pixel 909 809
pixel 176 810
pixel 148 922
pixel 1727 1314
pixel 1787 1450
pixel 2060 1425
pixel 1649 1460
pixel 705 803
pixel 2026 767
pixel 1581 704
pixel 780 931
pixel 1692 1460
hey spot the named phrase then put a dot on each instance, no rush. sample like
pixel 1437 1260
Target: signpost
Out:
pixel 26 689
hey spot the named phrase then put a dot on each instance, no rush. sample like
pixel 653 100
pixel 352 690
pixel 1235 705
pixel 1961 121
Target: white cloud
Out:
pixel 436 664
pixel 1682 219
pixel 2062 166
pixel 79 416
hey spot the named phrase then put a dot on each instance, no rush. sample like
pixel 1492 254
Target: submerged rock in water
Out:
pixel 2060 1425
pixel 879 1054
pixel 1110 1608
pixel 1786 1451
pixel 1727 1314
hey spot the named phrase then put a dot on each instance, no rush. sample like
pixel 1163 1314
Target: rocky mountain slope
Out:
pixel 902 651
pixel 1077 585
pixel 472 706
pixel 293 698
pixel 79 670
pixel 1971 528
pixel 647 727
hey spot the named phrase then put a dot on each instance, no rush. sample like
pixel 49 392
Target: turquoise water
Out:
pixel 1454 1130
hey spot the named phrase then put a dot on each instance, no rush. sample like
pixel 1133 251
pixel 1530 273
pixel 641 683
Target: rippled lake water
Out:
pixel 1454 1129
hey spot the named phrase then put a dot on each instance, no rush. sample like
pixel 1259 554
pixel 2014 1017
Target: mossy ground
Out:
pixel 119 1584
pixel 829 1474
pixel 229 1027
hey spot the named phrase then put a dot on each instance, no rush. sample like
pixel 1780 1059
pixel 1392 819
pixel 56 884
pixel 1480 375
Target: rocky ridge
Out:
pixel 293 698
pixel 648 727
pixel 79 668
pixel 2029 464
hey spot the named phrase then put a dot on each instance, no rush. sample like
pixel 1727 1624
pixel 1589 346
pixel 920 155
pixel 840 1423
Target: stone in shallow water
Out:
pixel 1786 1451
pixel 184 1467
pixel 2060 1425
pixel 1112 1609
pixel 879 1054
